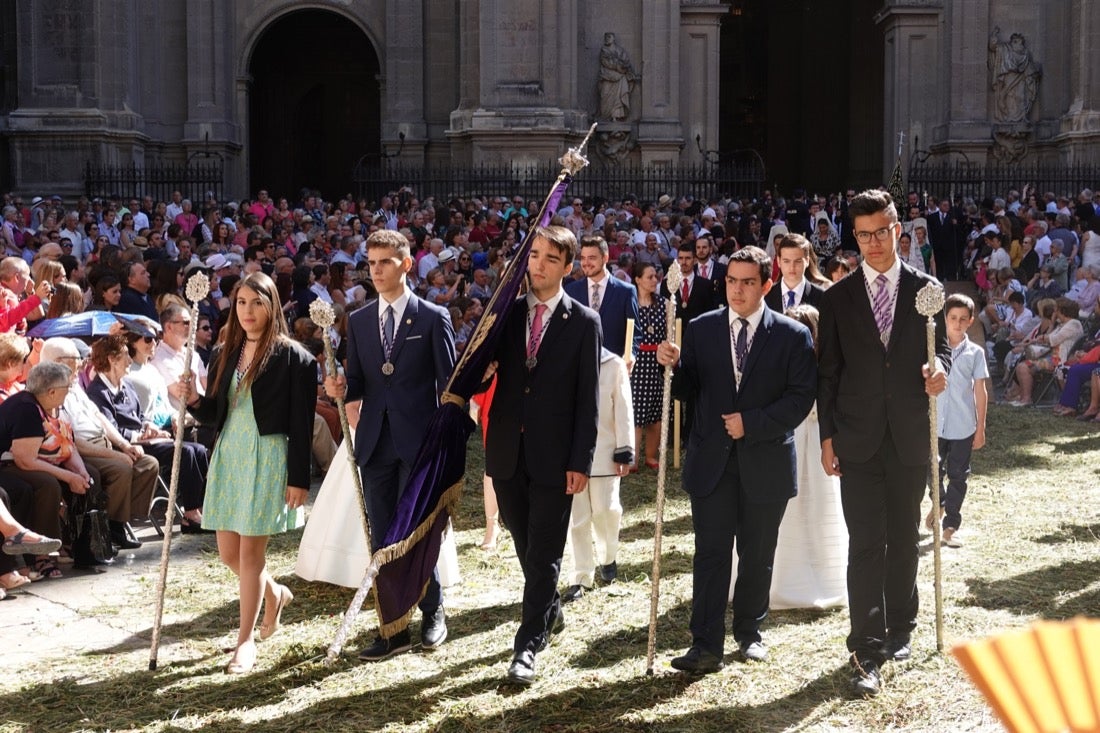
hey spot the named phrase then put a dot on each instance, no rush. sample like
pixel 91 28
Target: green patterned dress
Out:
pixel 246 485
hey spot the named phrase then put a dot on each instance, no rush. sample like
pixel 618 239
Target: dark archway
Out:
pixel 314 106
pixel 801 83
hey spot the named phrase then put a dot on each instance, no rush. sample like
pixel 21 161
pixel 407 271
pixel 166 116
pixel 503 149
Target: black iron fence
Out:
pixel 648 183
pixel 194 180
pixel 978 180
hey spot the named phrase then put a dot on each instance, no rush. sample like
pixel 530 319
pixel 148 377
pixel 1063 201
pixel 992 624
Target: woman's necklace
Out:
pixel 242 366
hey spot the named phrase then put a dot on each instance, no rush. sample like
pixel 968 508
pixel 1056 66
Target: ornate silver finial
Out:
pixel 574 160
pixel 321 313
pixel 198 287
pixel 674 279
pixel 930 300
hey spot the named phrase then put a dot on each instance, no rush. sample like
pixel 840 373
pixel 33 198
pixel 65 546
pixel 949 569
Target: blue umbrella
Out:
pixel 92 323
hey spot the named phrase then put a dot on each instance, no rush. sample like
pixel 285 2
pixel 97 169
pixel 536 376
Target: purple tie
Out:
pixel 741 344
pixel 884 319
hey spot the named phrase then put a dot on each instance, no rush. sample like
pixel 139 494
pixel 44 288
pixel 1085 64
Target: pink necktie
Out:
pixel 535 338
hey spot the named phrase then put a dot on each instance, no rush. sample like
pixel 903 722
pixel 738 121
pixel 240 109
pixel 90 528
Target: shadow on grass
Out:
pixel 198 688
pixel 624 642
pixel 1071 533
pixel 1056 592
pixel 643 530
pixel 1076 445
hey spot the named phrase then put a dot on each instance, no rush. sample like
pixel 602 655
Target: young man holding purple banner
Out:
pixel 542 432
pixel 401 352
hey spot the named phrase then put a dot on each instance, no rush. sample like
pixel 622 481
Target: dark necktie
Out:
pixel 741 346
pixel 387 332
pixel 790 299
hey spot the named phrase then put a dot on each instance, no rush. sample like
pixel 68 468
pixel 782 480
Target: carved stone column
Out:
pixel 913 80
pixel 698 77
pixel 77 93
pixel 1079 127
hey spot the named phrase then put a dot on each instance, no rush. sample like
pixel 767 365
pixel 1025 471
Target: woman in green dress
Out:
pixel 263 397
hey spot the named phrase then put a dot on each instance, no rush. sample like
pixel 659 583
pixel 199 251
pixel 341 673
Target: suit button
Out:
pixel 887 365
pixel 526 390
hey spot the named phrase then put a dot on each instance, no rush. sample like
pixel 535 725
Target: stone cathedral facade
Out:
pixel 290 93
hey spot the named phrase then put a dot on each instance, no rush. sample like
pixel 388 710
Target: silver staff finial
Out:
pixel 930 300
pixel 321 313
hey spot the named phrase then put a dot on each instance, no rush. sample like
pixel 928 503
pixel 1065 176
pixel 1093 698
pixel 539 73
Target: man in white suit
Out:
pixel 597 513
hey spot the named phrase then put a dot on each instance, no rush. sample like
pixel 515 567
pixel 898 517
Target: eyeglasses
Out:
pixel 181 323
pixel 882 235
pixel 149 339
pixel 205 328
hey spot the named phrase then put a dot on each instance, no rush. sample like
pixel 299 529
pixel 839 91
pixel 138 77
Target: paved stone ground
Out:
pixel 45 620
pixel 50 619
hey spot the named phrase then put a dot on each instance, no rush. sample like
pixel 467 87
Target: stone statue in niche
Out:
pixel 617 79
pixel 613 146
pixel 1013 76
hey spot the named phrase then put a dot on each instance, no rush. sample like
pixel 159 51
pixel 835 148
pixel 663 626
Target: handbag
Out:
pixel 92 541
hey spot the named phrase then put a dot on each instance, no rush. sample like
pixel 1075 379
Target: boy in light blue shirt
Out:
pixel 961 411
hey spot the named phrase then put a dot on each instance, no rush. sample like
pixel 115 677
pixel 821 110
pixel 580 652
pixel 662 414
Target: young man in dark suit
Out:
pixel 872 404
pixel 793 253
pixel 696 295
pixel 614 300
pixel 752 375
pixel 401 352
pixel 542 432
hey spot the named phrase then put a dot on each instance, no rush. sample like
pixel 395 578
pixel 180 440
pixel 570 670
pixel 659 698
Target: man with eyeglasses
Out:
pixel 517 206
pixel 872 403
pixel 169 355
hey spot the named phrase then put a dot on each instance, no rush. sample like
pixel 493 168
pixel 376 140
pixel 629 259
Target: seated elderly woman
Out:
pixel 117 399
pixel 36 442
pixel 1088 294
pixel 1061 340
pixel 1092 412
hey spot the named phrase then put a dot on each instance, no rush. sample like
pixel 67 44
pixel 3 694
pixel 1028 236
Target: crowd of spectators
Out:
pixel 1034 258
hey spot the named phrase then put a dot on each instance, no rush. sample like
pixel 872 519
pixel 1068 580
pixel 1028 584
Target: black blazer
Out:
pixel 552 407
pixel 863 389
pixel 811 295
pixel 701 299
pixel 775 395
pixel 284 399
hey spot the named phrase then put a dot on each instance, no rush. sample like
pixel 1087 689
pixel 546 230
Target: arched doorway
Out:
pixel 314 105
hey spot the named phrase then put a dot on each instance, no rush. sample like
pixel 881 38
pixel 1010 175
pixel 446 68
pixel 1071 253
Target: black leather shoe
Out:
pixel 556 628
pixel 609 572
pixel 897 648
pixel 433 629
pixel 122 536
pixel 754 651
pixel 866 679
pixel 697 661
pixel 386 648
pixel 522 669
pixel 573 592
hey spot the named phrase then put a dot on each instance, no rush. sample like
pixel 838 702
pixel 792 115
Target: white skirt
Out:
pixel 811 553
pixel 334 546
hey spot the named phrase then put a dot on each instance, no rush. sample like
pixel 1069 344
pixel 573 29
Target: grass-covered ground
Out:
pixel 1032 550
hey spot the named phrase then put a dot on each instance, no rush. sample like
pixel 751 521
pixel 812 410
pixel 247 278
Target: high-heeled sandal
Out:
pixel 281 602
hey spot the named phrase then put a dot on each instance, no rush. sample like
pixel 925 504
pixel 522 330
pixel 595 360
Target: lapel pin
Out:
pixel 408 321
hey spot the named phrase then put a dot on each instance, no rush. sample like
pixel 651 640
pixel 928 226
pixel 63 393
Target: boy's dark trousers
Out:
pixel 955 465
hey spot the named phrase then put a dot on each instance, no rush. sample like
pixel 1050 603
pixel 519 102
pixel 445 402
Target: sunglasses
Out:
pixel 205 328
pixel 149 339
